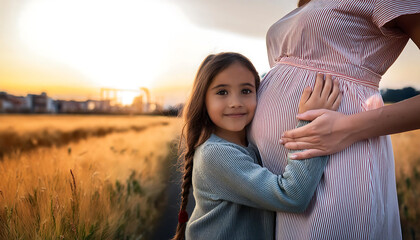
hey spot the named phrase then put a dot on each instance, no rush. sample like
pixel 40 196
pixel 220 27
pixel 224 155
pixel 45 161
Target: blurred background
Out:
pixel 96 78
pixel 72 49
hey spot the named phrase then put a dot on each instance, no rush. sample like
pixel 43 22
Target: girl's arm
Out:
pixel 228 173
pixel 331 132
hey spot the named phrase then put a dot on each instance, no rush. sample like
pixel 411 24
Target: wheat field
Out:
pixel 407 169
pixel 85 185
pixel 104 177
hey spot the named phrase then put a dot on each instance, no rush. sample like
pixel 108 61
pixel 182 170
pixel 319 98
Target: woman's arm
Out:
pixel 331 132
pixel 410 25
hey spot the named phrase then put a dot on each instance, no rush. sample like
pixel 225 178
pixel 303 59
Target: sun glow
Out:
pixel 115 44
pixel 127 98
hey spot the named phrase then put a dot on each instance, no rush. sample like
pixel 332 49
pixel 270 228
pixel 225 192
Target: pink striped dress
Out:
pixel 356 198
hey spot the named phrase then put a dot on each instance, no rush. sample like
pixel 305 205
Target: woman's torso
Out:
pixel 356 198
pixel 342 36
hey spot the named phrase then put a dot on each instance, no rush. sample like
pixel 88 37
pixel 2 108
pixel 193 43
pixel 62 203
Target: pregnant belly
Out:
pixel 278 99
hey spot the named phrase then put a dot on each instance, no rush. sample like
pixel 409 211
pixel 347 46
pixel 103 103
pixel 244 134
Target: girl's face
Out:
pixel 231 100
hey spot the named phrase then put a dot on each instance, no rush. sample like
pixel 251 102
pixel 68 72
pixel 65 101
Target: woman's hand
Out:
pixel 326 95
pixel 317 136
pixel 330 132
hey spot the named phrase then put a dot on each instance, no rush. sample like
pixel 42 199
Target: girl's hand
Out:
pixel 326 95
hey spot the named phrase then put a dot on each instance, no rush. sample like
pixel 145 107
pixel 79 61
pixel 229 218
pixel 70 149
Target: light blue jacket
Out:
pixel 236 197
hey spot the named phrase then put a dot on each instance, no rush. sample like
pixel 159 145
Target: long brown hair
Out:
pixel 197 124
pixel 303 2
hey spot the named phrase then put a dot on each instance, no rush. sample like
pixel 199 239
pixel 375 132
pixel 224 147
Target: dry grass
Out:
pixel 25 123
pixel 95 188
pixel 407 167
pixel 117 179
pixel 22 133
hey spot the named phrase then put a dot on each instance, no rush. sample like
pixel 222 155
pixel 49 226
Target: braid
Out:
pixel 192 141
pixel 303 2
pixel 186 184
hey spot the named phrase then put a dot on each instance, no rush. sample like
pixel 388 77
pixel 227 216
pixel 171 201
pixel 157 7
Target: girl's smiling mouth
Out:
pixel 235 115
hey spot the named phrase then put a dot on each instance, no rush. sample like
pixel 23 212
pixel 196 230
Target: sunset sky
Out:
pixel 71 49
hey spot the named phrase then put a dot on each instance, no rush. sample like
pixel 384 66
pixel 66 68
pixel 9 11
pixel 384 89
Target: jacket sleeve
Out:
pixel 229 174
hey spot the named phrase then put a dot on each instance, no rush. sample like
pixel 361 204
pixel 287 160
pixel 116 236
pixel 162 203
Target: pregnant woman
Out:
pixel 356 41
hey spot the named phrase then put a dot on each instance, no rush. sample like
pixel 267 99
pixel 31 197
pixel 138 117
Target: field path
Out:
pixel 166 225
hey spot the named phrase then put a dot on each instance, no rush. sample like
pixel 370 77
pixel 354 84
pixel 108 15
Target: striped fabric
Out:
pixel 356 198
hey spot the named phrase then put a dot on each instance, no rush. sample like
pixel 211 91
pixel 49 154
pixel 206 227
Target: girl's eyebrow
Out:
pixel 220 86
pixel 247 84
pixel 226 85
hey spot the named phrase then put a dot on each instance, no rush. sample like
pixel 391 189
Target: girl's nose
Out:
pixel 235 102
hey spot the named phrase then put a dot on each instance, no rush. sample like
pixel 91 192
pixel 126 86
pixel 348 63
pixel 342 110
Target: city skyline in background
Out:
pixel 112 101
pixel 72 49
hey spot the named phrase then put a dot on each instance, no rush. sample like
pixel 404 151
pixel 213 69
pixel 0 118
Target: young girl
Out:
pixel 234 195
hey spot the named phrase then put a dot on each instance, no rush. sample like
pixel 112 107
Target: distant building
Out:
pixel 5 104
pixel 11 104
pixel 138 104
pixel 98 106
pixel 41 103
pixel 72 106
pixel 89 106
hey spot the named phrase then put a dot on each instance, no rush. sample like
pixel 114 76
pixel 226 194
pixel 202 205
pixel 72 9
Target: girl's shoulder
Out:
pixel 218 149
pixel 215 143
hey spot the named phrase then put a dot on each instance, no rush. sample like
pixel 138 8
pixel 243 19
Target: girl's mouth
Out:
pixel 235 115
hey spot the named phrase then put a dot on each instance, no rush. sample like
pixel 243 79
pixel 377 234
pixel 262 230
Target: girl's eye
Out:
pixel 246 91
pixel 222 92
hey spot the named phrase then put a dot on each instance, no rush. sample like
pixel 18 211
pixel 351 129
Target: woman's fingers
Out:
pixel 307 154
pixel 291 135
pixel 311 114
pixel 299 143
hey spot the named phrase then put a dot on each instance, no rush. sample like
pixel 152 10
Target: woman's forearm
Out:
pixel 394 118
